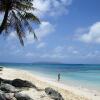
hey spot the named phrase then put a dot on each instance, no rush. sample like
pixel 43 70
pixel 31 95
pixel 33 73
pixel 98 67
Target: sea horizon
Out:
pixel 49 63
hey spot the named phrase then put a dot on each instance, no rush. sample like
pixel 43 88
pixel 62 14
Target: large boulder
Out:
pixel 53 94
pixel 20 96
pixel 5 81
pixel 2 97
pixel 22 83
pixel 18 83
pixel 1 92
pixel 7 88
pixel 9 96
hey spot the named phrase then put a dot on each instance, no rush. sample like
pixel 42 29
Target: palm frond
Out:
pixel 18 17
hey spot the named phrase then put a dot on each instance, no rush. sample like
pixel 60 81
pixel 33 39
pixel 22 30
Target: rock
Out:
pixel 53 94
pixel 5 81
pixel 1 68
pixel 2 97
pixel 1 80
pixel 13 98
pixel 22 83
pixel 7 88
pixel 1 92
pixel 18 83
pixel 20 96
pixel 9 96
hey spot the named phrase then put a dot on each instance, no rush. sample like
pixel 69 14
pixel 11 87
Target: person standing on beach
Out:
pixel 58 77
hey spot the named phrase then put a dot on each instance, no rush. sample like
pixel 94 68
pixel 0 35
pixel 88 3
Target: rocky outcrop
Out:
pixel 53 94
pixel 5 81
pixel 19 83
pixel 9 96
pixel 16 96
pixel 20 96
pixel 12 90
pixel 7 88
pixel 2 97
pixel 22 83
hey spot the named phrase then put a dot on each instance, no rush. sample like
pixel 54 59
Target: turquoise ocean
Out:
pixel 84 75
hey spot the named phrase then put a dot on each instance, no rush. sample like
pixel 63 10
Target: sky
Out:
pixel 69 33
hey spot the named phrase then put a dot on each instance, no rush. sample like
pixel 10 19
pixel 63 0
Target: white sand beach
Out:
pixel 68 92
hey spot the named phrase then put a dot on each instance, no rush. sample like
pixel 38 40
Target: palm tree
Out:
pixel 17 17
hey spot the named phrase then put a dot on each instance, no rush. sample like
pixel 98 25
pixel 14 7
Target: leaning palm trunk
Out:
pixel 17 17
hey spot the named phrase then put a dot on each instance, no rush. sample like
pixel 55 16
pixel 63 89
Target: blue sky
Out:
pixel 69 33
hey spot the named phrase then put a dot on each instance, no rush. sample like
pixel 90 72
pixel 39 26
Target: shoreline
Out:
pixel 64 82
pixel 72 92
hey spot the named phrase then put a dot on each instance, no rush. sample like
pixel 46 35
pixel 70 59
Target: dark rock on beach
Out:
pixel 53 94
pixel 1 68
pixel 7 88
pixel 1 92
pixel 9 96
pixel 22 83
pixel 16 96
pixel 11 90
pixel 19 83
pixel 20 96
pixel 2 97
pixel 5 81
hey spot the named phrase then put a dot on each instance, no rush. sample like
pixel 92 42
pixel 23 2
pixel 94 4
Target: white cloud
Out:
pixel 41 45
pixel 61 52
pixel 95 53
pixel 30 54
pixel 44 29
pixel 41 6
pixel 30 38
pixel 93 34
pixel 81 30
pixel 51 7
pixel 75 52
pixel 70 48
pixel 54 56
pixel 57 53
pixel 16 52
pixel 12 35
pixel 58 49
